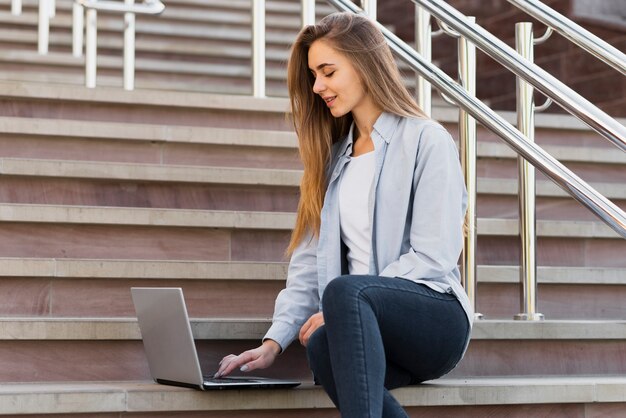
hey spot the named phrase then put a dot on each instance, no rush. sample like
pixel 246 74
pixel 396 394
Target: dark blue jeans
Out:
pixel 381 333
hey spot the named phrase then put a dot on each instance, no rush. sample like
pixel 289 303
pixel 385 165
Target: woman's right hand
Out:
pixel 257 358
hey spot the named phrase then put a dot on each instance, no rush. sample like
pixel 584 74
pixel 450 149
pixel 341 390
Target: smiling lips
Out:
pixel 329 100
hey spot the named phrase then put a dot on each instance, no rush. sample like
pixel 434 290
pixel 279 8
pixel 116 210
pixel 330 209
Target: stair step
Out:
pixel 207 270
pixel 503 396
pixel 252 137
pixel 42 349
pixel 251 220
pixel 93 329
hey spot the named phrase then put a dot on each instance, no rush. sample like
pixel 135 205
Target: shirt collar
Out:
pixel 384 126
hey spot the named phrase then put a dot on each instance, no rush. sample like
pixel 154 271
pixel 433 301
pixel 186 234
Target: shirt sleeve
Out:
pixel 300 299
pixel 438 212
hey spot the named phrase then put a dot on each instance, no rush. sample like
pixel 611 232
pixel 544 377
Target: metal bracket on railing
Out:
pixel 544 37
pixel 447 99
pixel 130 9
pixel 445 28
pixel 544 106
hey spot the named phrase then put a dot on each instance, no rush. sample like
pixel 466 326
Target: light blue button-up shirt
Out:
pixel 417 206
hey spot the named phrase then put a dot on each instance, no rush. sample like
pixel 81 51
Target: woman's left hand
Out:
pixel 310 326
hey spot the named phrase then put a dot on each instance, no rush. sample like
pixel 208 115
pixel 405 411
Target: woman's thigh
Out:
pixel 423 331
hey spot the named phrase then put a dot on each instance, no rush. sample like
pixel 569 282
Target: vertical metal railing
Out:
pixel 370 8
pixel 258 48
pixel 91 47
pixel 524 45
pixel 129 47
pixel 78 28
pixel 467 141
pixel 526 192
pixel 423 45
pixel 16 7
pixel 308 12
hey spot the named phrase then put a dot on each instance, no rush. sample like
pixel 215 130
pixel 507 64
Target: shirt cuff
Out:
pixel 283 333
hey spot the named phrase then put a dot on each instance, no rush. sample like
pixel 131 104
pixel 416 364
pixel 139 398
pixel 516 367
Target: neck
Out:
pixel 365 117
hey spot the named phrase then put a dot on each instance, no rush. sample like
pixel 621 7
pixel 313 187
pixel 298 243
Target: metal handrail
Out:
pixel 130 9
pixel 575 33
pixel 549 85
pixel 149 7
pixel 608 212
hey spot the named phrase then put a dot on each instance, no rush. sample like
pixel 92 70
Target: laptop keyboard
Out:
pixel 210 379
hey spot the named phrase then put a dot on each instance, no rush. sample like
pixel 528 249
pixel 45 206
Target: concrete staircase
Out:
pixel 105 189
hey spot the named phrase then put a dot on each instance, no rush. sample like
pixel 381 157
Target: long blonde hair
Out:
pixel 358 39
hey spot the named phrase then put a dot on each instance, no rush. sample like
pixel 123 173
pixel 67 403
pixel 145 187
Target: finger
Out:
pixel 226 357
pixel 225 365
pixel 237 362
pixel 304 328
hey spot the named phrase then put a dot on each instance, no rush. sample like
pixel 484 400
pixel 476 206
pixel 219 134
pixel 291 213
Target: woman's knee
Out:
pixel 340 290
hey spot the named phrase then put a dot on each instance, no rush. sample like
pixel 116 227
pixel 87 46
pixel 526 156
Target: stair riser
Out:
pixel 274 89
pixel 500 250
pixel 103 298
pixel 237 83
pixel 154 243
pixel 553 208
pixel 212 244
pixel 147 152
pixel 91 149
pixel 548 136
pixel 161 115
pixel 502 301
pixel 149 195
pixel 42 361
pixel 507 169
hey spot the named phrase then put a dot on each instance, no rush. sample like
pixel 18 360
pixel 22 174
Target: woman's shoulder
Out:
pixel 422 131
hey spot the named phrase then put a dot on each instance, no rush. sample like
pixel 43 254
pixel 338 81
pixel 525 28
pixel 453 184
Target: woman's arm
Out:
pixel 294 306
pixel 438 212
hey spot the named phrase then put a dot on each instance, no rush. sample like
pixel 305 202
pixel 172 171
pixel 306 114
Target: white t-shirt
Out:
pixel 354 216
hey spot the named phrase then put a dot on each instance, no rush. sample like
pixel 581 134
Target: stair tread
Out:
pixel 124 328
pixel 223 270
pixel 100 215
pixel 253 137
pixel 146 396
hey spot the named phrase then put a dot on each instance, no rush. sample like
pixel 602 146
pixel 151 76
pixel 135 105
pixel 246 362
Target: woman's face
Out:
pixel 336 79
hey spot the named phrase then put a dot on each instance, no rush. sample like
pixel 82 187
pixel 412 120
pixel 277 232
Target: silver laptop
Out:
pixel 170 348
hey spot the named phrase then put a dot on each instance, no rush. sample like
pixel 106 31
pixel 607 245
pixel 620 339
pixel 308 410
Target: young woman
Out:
pixel 373 288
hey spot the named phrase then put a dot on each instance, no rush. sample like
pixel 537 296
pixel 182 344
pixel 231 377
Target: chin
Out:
pixel 337 113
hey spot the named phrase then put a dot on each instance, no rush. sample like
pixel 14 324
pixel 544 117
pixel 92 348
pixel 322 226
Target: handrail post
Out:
pixel 129 48
pixel 423 45
pixel 528 235
pixel 369 7
pixel 91 47
pixel 43 27
pixel 467 141
pixel 78 28
pixel 308 12
pixel 16 7
pixel 258 48
pixel 52 8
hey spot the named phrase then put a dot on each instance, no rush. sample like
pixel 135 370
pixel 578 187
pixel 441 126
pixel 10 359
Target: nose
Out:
pixel 318 85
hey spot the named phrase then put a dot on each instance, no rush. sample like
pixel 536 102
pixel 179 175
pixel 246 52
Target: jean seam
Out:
pixel 377 286
pixel 358 307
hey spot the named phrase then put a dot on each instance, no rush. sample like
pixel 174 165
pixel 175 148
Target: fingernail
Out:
pixel 244 368
pixel 216 375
